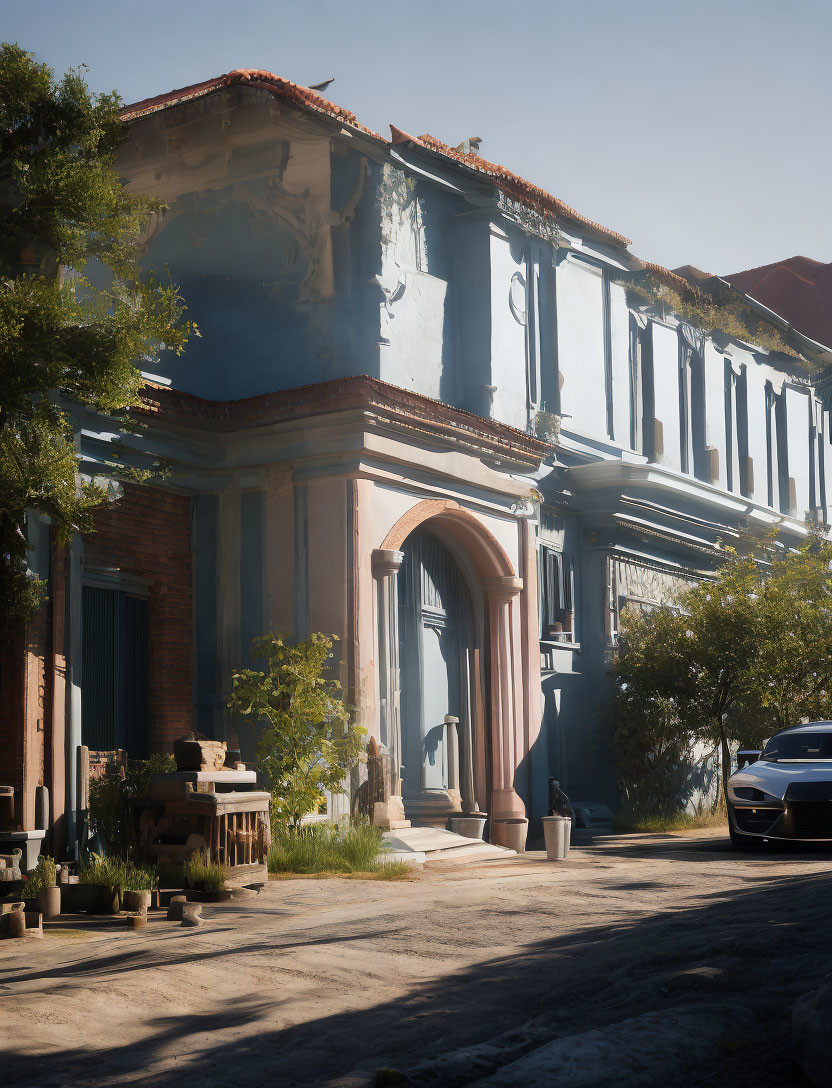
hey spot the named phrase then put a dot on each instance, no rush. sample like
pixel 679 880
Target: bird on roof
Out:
pixel 321 86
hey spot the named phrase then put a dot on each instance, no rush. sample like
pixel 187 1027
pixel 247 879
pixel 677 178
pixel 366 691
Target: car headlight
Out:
pixel 751 793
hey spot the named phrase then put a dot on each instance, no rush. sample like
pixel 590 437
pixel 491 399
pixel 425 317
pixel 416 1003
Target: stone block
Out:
pixel 175 907
pixel 192 915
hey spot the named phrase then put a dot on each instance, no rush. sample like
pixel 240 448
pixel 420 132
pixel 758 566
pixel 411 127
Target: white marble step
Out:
pixel 437 844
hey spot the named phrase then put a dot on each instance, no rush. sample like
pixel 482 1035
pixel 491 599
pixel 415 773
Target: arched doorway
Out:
pixel 435 641
pixel 497 688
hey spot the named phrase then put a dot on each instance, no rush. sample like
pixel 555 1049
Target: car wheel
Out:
pixel 743 842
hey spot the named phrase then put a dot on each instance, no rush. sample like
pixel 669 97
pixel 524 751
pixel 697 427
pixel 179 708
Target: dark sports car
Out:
pixel 786 791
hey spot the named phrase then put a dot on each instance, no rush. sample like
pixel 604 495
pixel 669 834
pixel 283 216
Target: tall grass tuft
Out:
pixel 108 871
pixel 634 820
pixel 207 875
pixel 331 848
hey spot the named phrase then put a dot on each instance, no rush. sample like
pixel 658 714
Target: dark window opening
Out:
pixel 115 672
pixel 782 454
pixel 557 595
pixel 770 447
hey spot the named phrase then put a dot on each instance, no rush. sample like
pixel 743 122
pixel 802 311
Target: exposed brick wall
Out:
pixel 11 706
pixel 148 533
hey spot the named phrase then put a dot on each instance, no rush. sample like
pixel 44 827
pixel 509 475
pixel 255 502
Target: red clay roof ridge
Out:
pixel 511 184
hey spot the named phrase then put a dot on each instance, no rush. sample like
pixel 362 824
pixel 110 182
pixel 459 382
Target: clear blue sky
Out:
pixel 699 129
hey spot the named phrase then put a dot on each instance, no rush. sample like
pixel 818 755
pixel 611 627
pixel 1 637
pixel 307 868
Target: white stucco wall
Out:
pixel 620 341
pixel 581 348
pixel 508 337
pixel 757 445
pixel 797 415
pixel 715 408
pixel 666 386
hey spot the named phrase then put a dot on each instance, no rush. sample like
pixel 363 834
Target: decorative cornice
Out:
pixel 402 407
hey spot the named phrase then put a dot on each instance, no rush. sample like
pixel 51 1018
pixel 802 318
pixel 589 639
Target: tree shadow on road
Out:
pixel 760 947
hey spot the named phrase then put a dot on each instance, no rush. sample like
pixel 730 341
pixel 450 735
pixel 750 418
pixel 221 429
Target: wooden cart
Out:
pixel 215 813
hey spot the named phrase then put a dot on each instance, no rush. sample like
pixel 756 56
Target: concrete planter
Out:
pixel 557 831
pixel 135 902
pixel 104 899
pixel 76 897
pixel 510 833
pixel 472 827
pixel 49 902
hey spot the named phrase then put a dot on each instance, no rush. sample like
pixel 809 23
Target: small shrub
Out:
pixel 331 848
pixel 109 796
pixel 108 872
pixel 308 743
pixel 42 876
pixel 207 875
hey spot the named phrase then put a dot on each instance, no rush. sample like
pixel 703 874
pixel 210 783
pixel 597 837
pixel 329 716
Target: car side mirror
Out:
pixel 747 756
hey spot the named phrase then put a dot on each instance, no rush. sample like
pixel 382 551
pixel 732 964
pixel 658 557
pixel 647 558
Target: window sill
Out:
pixel 549 644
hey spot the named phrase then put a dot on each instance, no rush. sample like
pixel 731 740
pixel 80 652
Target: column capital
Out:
pixel 507 586
pixel 387 561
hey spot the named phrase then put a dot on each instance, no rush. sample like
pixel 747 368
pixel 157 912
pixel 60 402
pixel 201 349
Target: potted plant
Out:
pixel 135 896
pixel 107 876
pixel 207 879
pixel 41 890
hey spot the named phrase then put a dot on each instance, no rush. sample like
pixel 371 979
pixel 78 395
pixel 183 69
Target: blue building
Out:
pixel 433 410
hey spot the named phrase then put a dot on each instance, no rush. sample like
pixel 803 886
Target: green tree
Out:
pixel 791 673
pixel 307 744
pixel 76 313
pixel 739 657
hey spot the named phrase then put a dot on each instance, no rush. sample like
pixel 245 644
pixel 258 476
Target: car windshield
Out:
pixel 801 746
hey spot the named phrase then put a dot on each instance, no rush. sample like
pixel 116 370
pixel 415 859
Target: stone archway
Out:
pixel 498 657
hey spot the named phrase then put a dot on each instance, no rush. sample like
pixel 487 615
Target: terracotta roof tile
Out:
pixel 511 184
pixel 252 77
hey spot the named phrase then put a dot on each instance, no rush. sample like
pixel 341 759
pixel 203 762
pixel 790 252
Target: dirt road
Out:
pixel 319 982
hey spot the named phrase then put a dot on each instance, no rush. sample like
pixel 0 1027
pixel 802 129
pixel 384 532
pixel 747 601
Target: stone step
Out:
pixel 437 844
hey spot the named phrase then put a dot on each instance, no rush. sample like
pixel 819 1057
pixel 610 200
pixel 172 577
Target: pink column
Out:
pixel 386 564
pixel 507 727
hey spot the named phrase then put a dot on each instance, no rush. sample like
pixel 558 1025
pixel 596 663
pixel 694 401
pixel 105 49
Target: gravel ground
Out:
pixel 457 977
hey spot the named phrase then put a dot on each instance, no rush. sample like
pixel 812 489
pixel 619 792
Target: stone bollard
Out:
pixel 25 923
pixel 136 921
pixel 6 911
pixel 16 926
pixel 175 908
pixel 192 915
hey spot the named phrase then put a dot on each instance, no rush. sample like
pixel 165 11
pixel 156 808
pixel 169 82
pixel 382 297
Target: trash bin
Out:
pixel 557 831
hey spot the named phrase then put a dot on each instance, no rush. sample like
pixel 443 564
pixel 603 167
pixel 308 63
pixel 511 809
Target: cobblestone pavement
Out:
pixel 321 982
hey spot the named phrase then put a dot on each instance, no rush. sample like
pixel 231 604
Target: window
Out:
pixel 557 612
pixel 114 683
pixel 771 443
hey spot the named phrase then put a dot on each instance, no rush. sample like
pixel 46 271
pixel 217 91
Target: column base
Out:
pixel 506 805
pixel 389 814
